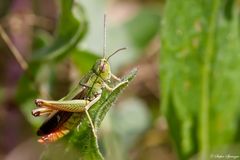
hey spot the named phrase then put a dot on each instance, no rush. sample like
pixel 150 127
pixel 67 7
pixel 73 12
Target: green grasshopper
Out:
pixel 66 114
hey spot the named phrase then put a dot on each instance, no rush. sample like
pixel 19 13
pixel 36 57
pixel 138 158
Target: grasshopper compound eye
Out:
pixel 102 65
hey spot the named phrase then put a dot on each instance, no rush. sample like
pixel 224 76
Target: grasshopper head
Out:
pixel 102 68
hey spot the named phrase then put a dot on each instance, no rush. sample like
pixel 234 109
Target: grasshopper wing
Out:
pixel 53 123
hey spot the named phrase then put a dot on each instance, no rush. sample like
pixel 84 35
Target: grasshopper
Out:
pixel 63 115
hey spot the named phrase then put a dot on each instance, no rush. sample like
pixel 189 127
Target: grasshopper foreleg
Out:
pixel 115 77
pixel 112 89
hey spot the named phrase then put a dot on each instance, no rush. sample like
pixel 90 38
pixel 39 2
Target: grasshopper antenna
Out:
pixel 105 35
pixel 120 49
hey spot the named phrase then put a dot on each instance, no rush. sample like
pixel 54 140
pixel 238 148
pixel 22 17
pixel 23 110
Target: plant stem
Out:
pixel 21 61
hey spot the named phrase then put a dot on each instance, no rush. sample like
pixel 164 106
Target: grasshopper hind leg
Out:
pixel 79 106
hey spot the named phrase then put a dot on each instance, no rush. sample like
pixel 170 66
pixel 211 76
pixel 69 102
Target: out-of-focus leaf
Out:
pixel 180 90
pixel 143 27
pixel 26 92
pixel 71 28
pixel 82 140
pixel 224 110
pixel 41 39
pixel 123 127
pixel 83 60
pixel 228 10
pixel 200 75
pixel 130 119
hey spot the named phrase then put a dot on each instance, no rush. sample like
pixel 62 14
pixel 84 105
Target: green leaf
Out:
pixel 200 57
pixel 81 142
pixel 25 93
pixel 41 39
pixel 70 30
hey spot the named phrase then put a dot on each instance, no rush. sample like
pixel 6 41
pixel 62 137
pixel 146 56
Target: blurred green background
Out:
pixel 184 102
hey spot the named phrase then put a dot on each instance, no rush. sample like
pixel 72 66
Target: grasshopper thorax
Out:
pixel 102 68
